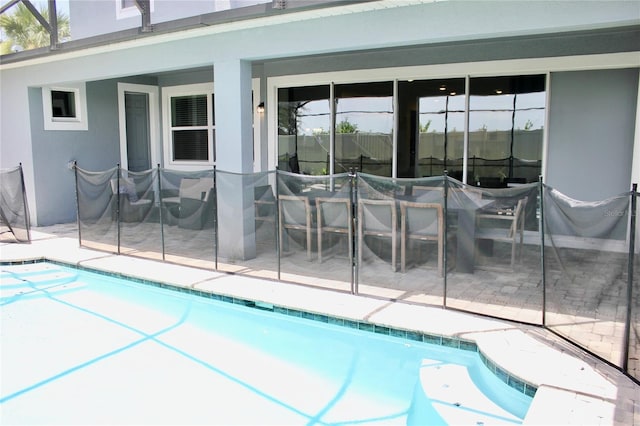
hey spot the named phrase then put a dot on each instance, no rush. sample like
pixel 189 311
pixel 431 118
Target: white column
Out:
pixel 234 153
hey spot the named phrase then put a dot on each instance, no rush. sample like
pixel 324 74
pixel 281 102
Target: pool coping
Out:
pixel 568 380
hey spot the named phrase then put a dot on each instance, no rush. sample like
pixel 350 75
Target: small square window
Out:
pixel 63 104
pixel 65 108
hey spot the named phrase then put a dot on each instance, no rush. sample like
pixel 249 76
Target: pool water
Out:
pixel 83 348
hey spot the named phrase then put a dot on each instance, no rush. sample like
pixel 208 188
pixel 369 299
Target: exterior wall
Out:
pixel 591 132
pixel 449 38
pixel 97 17
pixel 94 149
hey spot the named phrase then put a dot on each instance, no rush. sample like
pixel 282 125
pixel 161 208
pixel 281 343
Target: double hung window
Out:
pixel 190 131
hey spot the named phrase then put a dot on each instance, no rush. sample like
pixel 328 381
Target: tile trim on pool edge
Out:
pixel 513 381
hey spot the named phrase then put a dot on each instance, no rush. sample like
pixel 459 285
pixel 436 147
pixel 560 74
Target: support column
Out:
pixel 234 153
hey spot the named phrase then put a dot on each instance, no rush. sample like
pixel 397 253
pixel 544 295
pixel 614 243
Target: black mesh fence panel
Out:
pixel 316 229
pixel 633 356
pixel 14 218
pixel 139 214
pixel 586 271
pixel 430 240
pixel 494 258
pixel 97 197
pixel 247 218
pixel 400 238
pixel 187 208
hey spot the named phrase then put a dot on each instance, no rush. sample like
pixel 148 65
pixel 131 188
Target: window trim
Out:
pixel 77 123
pixel 154 119
pixel 168 93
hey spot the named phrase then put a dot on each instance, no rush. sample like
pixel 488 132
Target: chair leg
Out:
pixel 440 256
pixel 350 239
pixel 309 242
pixel 360 240
pixel 393 253
pixel 319 244
pixel 403 252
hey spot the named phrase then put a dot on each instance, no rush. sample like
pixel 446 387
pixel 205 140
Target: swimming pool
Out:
pixel 84 348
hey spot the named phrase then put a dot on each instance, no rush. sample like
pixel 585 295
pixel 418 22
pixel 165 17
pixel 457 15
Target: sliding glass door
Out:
pixel 352 126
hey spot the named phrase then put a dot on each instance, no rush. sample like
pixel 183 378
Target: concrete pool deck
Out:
pixel 574 388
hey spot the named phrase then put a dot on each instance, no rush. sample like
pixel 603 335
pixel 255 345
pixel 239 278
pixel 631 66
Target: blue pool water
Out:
pixel 84 348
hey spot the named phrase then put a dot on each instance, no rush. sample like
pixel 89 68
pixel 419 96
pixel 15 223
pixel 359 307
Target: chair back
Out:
pixel 518 217
pixel 427 194
pixel 423 219
pixel 196 189
pixel 377 215
pixel 334 212
pixel 294 210
pixel 472 193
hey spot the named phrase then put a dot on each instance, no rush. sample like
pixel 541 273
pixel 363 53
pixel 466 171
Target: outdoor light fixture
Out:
pixel 260 108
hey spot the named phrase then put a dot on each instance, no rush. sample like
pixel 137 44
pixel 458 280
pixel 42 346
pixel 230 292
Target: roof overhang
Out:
pixel 255 16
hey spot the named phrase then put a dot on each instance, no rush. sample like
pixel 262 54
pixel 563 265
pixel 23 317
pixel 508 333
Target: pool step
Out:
pixel 32 278
pixel 448 394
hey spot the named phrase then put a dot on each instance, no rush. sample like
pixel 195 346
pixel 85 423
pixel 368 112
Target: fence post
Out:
pixel 75 174
pixel 444 255
pixel 27 223
pixel 215 217
pixel 118 205
pixel 160 211
pixel 353 197
pixel 276 220
pixel 542 261
pixel 632 243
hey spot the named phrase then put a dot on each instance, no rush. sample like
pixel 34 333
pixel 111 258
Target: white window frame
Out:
pixel 258 120
pixel 153 93
pixel 79 122
pixel 169 92
pixel 131 11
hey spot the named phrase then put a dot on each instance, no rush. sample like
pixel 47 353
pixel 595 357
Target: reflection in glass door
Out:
pixel 506 121
pixel 304 124
pixel 137 131
pixel 364 128
pixel 504 128
pixel 431 127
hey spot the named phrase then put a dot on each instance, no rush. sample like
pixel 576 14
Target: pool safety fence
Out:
pixel 14 212
pixel 526 253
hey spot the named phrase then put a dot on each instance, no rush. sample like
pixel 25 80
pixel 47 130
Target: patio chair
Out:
pixel 513 218
pixel 427 193
pixel 133 208
pixel 421 222
pixel 295 213
pixel 334 216
pixel 470 192
pixel 194 205
pixel 264 203
pixel 377 218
